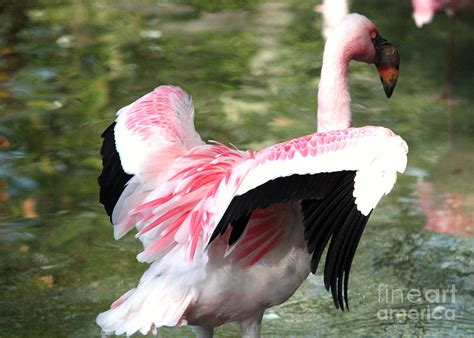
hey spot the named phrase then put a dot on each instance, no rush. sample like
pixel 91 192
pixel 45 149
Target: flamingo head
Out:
pixel 362 42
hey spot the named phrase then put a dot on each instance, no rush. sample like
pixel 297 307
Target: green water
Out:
pixel 252 68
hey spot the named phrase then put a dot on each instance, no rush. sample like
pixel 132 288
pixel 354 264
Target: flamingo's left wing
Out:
pixel 139 148
pixel 338 176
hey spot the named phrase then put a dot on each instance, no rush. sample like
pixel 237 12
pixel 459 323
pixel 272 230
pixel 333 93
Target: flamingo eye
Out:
pixel 373 35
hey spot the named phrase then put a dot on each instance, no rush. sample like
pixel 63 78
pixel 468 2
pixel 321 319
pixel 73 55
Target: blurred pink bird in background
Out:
pixel 424 10
pixel 229 233
pixel 332 12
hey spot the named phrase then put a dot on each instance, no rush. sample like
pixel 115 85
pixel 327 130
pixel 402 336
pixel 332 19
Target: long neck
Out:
pixel 334 101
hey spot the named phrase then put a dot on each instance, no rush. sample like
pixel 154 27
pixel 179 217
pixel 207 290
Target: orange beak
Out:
pixel 387 61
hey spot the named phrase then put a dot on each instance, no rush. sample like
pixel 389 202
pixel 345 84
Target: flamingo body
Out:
pixel 424 10
pixel 229 233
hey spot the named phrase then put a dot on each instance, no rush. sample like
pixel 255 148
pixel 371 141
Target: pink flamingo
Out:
pixel 332 12
pixel 229 233
pixel 424 10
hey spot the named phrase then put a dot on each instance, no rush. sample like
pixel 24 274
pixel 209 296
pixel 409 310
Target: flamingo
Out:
pixel 229 233
pixel 424 10
pixel 332 11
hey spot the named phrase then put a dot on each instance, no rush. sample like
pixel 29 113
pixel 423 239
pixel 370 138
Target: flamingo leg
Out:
pixel 448 94
pixel 204 331
pixel 251 327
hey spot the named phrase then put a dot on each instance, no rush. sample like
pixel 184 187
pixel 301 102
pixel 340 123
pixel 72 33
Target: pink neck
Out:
pixel 334 101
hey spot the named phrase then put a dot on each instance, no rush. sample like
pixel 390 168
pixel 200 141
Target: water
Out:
pixel 252 68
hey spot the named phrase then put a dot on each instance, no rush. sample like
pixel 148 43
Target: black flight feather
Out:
pixel 329 214
pixel 113 179
pixel 238 228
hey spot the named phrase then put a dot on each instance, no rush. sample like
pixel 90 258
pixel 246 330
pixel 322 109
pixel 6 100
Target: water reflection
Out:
pixel 65 68
pixel 445 196
pixel 445 212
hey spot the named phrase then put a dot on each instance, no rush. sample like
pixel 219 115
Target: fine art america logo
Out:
pixel 416 305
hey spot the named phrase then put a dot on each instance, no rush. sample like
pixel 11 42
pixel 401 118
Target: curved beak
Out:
pixel 387 61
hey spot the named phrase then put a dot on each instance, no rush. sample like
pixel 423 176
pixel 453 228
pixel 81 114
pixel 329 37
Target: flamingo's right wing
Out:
pixel 338 176
pixel 139 148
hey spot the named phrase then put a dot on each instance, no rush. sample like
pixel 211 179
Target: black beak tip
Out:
pixel 388 87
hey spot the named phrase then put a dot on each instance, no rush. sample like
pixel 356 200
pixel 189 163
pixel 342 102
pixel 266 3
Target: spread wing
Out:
pixel 140 146
pixel 339 177
pixel 156 121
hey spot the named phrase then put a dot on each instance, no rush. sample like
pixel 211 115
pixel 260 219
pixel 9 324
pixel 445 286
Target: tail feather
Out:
pixel 158 302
